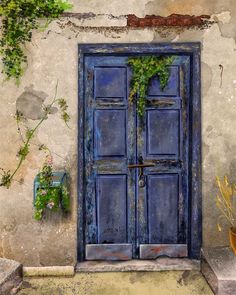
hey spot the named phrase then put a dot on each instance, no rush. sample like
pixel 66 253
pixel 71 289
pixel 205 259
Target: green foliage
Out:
pixel 19 117
pixel 144 68
pixel 6 178
pixel 23 151
pixel 63 108
pixel 65 202
pixel 6 175
pixel 19 19
pixel 48 196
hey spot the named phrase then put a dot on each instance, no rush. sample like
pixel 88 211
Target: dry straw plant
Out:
pixel 225 201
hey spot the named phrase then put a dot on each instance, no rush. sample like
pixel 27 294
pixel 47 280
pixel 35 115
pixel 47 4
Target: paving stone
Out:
pixel 119 283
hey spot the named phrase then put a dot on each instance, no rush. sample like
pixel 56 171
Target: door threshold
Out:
pixel 159 264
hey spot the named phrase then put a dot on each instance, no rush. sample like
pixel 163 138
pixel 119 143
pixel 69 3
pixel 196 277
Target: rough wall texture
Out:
pixel 53 56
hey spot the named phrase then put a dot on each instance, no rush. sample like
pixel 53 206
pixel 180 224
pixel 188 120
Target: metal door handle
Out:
pixel 141 166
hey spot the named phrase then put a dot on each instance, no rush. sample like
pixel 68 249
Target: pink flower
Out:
pixel 50 160
pixel 50 205
pixel 43 192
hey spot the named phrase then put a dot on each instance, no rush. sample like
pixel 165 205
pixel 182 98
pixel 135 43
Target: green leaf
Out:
pixel 5 178
pixel 144 69
pixel 23 151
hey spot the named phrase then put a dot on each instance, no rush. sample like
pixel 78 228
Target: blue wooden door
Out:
pixel 132 212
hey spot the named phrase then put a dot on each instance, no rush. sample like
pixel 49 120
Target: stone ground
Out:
pixel 128 283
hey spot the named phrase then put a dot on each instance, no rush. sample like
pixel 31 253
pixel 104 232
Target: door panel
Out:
pixel 162 133
pixel 110 133
pixel 111 197
pixel 110 82
pixel 124 220
pixel 162 202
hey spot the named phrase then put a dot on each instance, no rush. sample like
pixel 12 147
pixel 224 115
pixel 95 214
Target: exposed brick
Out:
pixel 173 20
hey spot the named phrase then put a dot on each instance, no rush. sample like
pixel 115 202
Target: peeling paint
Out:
pixel 91 15
pixel 30 103
pixel 206 77
pixel 173 20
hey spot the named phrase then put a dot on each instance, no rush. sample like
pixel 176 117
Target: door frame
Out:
pixel 193 49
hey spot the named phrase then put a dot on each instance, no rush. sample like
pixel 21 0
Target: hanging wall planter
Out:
pixel 51 191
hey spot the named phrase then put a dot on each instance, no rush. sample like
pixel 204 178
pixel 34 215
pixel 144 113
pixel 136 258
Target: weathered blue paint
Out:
pixel 195 204
pixel 153 251
pixel 109 251
pixel 111 202
pixel 107 146
pixel 172 196
pixel 162 208
pixel 162 215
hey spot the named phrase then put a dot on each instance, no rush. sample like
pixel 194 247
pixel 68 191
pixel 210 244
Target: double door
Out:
pixel 136 169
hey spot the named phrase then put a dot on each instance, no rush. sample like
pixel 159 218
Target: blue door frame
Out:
pixel 194 196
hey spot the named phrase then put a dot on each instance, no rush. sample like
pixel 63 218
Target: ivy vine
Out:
pixel 144 68
pixel 19 19
pixel 7 176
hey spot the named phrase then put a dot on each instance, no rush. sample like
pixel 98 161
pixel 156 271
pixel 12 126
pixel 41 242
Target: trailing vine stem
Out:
pixel 18 20
pixel 144 68
pixel 7 175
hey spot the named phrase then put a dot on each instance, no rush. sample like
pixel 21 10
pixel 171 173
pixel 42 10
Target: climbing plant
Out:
pixel 144 68
pixel 19 18
pixel 7 176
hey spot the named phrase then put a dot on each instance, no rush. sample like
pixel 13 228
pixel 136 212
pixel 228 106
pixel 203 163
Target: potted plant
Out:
pixel 225 203
pixel 50 190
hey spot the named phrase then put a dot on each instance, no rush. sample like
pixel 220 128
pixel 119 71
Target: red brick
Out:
pixel 173 20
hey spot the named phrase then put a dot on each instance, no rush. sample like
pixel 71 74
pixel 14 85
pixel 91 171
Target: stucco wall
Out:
pixel 53 56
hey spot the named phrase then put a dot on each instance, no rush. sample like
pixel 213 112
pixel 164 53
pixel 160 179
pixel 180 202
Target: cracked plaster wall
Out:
pixel 52 56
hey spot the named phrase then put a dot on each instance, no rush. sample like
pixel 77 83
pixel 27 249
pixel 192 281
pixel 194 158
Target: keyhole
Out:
pixel 141 180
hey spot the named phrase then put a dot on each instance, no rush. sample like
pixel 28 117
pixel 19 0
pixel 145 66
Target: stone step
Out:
pixel 10 275
pixel 159 264
pixel 218 265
